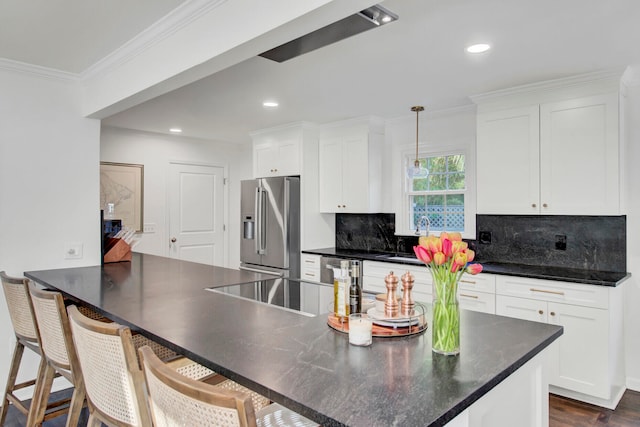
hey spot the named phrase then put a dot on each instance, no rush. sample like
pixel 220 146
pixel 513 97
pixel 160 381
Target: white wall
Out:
pixel 49 184
pixel 631 129
pixel 155 152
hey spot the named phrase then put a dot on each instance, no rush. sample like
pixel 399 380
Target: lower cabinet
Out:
pixel 310 267
pixel 589 364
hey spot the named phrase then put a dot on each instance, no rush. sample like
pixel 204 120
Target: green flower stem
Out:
pixel 446 312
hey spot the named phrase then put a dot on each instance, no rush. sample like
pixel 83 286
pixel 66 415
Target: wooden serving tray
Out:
pixel 378 330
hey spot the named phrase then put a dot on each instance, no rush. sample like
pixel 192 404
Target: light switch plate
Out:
pixel 72 250
pixel 149 228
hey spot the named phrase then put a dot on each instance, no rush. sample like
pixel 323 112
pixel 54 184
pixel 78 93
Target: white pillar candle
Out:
pixel 360 329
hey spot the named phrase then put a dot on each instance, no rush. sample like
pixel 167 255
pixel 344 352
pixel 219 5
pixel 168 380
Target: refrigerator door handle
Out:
pixel 258 231
pixel 257 270
pixel 263 221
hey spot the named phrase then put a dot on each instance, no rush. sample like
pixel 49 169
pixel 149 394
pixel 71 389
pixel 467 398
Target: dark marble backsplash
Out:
pixel 583 242
pixel 366 232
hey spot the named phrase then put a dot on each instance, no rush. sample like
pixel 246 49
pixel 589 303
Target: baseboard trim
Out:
pixel 633 384
pixel 616 393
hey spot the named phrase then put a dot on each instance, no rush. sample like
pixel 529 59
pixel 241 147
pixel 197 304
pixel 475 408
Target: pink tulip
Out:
pixel 422 254
pixel 447 247
pixel 474 268
pixel 444 235
pixel 439 258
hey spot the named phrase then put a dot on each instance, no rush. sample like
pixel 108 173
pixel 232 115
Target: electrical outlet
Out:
pixel 561 242
pixel 149 228
pixel 484 237
pixel 72 250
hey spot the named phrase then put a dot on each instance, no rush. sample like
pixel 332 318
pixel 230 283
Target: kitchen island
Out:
pixel 499 378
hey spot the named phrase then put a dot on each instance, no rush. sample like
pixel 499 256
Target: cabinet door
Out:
pixel 288 158
pixel 521 308
pixel 579 156
pixel 330 175
pixel 583 349
pixel 355 174
pixel 508 161
pixel 265 157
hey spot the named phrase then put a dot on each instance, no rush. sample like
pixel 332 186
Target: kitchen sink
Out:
pixel 398 258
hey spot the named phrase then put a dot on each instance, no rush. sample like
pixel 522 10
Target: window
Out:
pixel 440 196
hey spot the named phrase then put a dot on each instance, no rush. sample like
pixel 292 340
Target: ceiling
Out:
pixel 418 59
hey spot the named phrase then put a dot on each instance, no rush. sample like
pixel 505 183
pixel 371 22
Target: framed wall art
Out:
pixel 122 185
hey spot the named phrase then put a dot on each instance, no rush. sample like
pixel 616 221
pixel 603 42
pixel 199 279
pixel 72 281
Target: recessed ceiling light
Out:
pixel 386 19
pixel 478 48
pixel 270 104
pixel 175 130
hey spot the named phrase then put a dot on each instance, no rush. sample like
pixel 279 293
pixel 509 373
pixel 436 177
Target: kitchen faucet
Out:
pixel 424 222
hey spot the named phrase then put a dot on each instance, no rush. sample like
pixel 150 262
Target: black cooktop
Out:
pixel 310 299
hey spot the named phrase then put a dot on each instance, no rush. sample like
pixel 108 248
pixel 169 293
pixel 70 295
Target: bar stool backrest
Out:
pixel 113 380
pixel 178 400
pixel 16 292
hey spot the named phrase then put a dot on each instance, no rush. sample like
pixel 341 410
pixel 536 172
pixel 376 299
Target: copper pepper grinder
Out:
pixel 391 304
pixel 407 306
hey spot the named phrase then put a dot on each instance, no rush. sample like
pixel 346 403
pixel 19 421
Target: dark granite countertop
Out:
pixel 298 360
pixel 591 277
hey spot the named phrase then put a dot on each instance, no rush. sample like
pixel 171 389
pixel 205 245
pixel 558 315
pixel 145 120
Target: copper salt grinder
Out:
pixel 406 308
pixel 391 304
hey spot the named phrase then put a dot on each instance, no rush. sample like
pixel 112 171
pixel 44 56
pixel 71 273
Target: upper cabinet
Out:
pixel 278 151
pixel 350 167
pixel 559 157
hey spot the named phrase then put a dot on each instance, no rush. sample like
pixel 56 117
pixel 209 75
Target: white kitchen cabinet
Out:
pixel 588 362
pixel 551 158
pixel 475 293
pixel 350 169
pixel 278 151
pixel 310 267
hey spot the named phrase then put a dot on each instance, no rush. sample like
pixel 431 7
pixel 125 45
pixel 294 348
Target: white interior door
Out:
pixel 196 213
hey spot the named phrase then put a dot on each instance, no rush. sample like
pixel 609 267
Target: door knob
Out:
pixel 173 240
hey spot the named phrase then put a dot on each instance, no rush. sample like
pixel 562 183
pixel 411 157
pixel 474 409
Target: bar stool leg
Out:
pixel 41 393
pixel 11 380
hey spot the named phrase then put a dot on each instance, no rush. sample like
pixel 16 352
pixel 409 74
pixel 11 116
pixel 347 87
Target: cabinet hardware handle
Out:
pixel 544 205
pixel 468 281
pixel 533 205
pixel 309 274
pixel 552 313
pixel 546 291
pixel 540 312
pixel 309 261
pixel 469 296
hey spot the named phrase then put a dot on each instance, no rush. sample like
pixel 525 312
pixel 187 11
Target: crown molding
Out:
pixel 607 78
pixel 38 71
pixel 170 24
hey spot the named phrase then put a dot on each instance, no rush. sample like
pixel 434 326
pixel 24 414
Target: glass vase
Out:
pixel 445 326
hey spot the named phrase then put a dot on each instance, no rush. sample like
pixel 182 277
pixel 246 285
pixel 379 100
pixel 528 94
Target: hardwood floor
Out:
pixel 565 412
pixel 562 413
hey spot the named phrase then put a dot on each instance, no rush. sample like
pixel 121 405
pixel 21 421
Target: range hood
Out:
pixel 372 17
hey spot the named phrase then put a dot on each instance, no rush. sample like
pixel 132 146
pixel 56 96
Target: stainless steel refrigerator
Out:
pixel 270 232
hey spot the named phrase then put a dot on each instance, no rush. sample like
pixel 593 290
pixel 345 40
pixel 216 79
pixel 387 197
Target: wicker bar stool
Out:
pixel 176 400
pixel 58 352
pixel 16 291
pixel 114 382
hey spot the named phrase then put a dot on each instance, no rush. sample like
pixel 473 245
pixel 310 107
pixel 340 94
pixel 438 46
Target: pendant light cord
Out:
pixel 417 109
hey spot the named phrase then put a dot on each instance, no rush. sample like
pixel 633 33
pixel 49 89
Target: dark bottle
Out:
pixel 355 289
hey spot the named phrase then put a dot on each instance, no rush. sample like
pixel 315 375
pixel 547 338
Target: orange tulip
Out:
pixel 470 255
pixel 458 246
pixel 435 244
pixel 444 235
pixel 439 258
pixel 455 237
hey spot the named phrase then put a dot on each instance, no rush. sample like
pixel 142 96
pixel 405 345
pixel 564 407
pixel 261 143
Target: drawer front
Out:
pixel 310 261
pixel 477 301
pixel 478 283
pixel 554 291
pixel 310 274
pixel 421 275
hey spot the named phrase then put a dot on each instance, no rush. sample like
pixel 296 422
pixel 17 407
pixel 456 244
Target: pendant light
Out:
pixel 417 170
